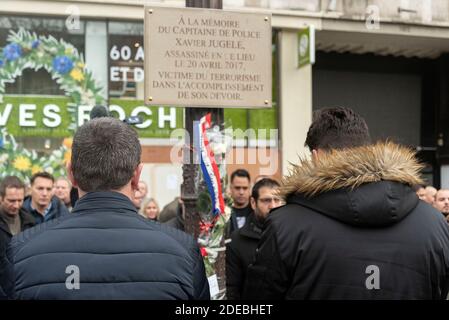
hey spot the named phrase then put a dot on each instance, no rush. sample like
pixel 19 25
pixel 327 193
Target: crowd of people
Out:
pixel 354 221
pixel 23 206
pixel 439 199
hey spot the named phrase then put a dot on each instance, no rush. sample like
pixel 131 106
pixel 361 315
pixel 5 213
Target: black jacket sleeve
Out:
pixel 267 277
pixel 6 278
pixel 234 272
pixel 4 240
pixel 200 282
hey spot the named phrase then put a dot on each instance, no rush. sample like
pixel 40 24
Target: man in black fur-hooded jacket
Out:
pixel 352 227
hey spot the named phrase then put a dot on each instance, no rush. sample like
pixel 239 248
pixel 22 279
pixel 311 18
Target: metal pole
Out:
pixel 189 194
pixel 190 170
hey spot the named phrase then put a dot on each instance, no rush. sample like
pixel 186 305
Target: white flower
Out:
pixel 57 153
pixel 219 148
pixel 88 98
pixel 227 213
pixel 3 158
pixel 50 170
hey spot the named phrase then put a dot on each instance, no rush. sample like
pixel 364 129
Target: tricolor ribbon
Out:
pixel 209 166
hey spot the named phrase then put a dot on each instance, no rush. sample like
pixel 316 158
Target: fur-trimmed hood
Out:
pixel 350 168
pixel 364 186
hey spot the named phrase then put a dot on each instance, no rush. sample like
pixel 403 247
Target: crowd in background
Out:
pixel 439 199
pixel 288 240
pixel 45 198
pixel 23 206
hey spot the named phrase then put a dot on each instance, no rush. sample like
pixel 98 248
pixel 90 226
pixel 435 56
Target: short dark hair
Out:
pixel 265 182
pixel 242 173
pixel 45 175
pixel 10 182
pixel 105 153
pixel 337 128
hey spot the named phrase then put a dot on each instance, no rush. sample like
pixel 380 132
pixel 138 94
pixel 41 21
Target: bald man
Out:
pixel 430 195
pixel 421 192
pixel 442 202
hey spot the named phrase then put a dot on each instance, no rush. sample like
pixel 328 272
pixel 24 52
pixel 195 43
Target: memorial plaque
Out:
pixel 207 58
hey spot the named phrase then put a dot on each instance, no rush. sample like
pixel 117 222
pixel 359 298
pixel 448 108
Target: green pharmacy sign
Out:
pixel 306 46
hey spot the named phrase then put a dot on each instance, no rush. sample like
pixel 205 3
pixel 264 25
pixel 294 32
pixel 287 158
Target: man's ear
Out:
pixel 70 174
pixel 253 203
pixel 315 154
pixel 136 177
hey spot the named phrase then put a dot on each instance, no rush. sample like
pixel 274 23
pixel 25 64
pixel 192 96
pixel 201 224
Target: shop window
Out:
pixel 126 54
pixel 35 86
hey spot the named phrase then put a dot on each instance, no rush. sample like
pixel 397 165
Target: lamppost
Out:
pixel 189 192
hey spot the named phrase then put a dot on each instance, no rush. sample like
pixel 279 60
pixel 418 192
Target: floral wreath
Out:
pixel 23 163
pixel 212 225
pixel 66 66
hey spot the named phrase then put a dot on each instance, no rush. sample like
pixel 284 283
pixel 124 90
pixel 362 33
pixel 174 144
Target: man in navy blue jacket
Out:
pixel 104 249
pixel 42 203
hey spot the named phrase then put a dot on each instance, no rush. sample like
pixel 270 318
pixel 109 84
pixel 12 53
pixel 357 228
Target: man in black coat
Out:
pixel 13 219
pixel 104 249
pixel 240 251
pixel 240 192
pixel 352 227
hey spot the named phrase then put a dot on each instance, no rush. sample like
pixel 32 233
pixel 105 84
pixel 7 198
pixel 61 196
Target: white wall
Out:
pixel 97 53
pixel 445 176
pixel 163 180
pixel 295 100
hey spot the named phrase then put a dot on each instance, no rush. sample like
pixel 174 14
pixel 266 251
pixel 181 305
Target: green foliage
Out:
pixel 24 163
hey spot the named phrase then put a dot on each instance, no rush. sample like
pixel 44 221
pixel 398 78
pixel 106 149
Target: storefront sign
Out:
pixel 32 116
pixel 207 58
pixel 28 116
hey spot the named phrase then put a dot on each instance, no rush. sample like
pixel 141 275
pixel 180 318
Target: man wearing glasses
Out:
pixel 242 248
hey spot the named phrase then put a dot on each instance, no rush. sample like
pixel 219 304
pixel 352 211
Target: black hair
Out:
pixel 44 175
pixel 242 173
pixel 337 128
pixel 265 182
pixel 10 182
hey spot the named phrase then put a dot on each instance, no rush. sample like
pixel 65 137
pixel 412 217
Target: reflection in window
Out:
pixel 32 83
pixel 126 55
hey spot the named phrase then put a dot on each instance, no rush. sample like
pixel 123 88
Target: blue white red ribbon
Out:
pixel 209 166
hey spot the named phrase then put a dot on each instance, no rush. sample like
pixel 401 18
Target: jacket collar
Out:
pixel 252 228
pixel 26 221
pixel 368 186
pixel 352 167
pixel 104 201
